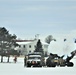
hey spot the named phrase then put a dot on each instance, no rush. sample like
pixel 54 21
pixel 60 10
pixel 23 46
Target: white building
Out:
pixel 29 46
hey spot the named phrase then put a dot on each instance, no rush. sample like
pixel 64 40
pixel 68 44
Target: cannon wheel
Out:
pixel 70 64
pixel 50 64
pixel 28 65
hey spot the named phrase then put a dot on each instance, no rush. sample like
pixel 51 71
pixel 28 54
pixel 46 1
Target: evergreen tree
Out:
pixel 39 47
pixel 7 41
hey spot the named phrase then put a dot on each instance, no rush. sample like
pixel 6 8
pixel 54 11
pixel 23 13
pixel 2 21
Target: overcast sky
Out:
pixel 29 17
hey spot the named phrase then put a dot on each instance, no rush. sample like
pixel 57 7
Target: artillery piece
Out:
pixel 54 60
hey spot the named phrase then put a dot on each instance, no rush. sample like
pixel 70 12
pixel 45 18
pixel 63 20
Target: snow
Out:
pixel 60 47
pixel 19 69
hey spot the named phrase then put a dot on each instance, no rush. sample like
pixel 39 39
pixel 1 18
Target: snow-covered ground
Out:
pixel 60 47
pixel 19 69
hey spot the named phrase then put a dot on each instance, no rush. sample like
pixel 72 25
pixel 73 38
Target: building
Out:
pixel 28 46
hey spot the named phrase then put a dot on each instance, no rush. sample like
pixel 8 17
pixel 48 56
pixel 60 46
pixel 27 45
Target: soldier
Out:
pixel 43 62
pixel 25 60
pixel 15 59
pixel 49 61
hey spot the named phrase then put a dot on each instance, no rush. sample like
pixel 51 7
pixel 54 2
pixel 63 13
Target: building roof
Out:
pixel 23 43
pixel 24 40
pixel 27 42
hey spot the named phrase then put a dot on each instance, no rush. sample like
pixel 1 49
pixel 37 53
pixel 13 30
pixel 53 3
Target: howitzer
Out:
pixel 55 60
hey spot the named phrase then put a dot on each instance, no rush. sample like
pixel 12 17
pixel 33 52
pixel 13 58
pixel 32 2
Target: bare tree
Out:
pixel 49 38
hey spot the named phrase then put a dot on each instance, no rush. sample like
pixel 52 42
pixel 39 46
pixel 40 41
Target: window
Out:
pixel 29 51
pixel 19 46
pixel 35 46
pixel 29 46
pixel 23 46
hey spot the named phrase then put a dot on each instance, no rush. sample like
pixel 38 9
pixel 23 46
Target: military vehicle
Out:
pixel 54 60
pixel 35 59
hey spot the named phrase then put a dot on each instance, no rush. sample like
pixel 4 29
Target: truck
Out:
pixel 35 59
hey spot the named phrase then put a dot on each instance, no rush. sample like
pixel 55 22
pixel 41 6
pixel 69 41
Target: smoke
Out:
pixel 62 47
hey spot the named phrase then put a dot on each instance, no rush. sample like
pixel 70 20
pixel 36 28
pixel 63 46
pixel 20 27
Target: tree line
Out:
pixel 7 43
